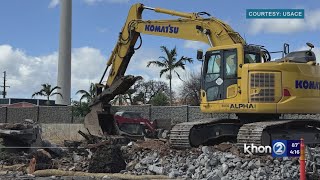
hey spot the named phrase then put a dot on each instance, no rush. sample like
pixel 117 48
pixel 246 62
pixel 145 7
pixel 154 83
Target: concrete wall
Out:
pixel 3 115
pixel 175 113
pixel 63 114
pixel 57 133
pixel 15 114
pixel 40 114
pixel 55 114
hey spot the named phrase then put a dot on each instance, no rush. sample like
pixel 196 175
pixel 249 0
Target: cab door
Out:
pixel 220 71
pixel 230 76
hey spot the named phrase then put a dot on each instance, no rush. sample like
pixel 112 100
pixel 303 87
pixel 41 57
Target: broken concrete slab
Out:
pixel 24 134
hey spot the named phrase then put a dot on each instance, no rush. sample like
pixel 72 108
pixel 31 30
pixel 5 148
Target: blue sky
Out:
pixel 29 36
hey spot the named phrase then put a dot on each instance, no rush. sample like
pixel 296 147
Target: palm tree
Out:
pixel 47 91
pixel 89 95
pixel 170 63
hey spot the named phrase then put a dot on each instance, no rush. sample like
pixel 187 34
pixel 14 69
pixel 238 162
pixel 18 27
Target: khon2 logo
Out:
pixel 279 148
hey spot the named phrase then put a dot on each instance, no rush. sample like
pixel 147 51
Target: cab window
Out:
pixel 213 67
pixel 250 57
pixel 231 64
pixel 214 64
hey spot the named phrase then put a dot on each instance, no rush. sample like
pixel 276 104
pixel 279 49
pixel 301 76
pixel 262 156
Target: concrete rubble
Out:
pixel 148 158
pixel 209 163
pixel 24 134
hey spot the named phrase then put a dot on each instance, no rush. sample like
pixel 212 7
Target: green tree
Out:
pixel 146 90
pixel 160 99
pixel 80 109
pixel 169 63
pixel 88 95
pixel 47 91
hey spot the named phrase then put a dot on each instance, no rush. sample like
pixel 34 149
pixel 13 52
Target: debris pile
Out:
pixel 209 163
pixel 154 157
pixel 147 157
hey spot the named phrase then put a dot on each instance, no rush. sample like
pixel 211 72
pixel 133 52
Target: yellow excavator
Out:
pixel 237 78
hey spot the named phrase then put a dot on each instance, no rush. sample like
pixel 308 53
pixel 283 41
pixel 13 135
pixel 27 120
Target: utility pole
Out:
pixel 4 93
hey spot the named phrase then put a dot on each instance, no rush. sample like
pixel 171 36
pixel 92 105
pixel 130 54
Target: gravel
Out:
pixel 209 163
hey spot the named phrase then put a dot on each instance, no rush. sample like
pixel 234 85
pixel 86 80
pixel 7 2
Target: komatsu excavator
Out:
pixel 237 78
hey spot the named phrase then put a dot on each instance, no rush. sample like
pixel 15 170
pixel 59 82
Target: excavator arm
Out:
pixel 188 26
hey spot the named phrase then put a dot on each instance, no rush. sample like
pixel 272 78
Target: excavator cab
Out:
pixel 222 69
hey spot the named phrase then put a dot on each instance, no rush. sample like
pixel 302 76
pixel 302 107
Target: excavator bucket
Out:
pixel 91 122
pixel 99 121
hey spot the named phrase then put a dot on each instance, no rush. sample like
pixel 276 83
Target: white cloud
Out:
pixel 195 45
pixel 311 22
pixel 26 73
pixel 54 3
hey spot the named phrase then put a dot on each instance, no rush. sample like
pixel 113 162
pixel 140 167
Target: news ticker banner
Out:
pixel 285 148
pixel 275 13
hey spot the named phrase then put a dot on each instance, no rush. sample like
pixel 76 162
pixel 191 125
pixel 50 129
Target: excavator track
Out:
pixel 252 133
pixel 179 135
pixel 262 133
pixel 192 134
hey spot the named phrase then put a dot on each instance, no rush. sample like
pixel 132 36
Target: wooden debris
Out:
pixel 16 167
pixel 32 166
pixel 54 172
